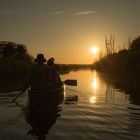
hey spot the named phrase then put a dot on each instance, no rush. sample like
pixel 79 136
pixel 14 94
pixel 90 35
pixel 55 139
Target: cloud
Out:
pixel 85 12
pixel 57 12
pixel 7 11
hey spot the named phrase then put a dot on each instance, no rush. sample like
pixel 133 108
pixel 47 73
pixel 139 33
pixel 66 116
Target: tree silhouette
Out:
pixel 8 49
pixel 135 45
pixel 110 45
pixel 13 50
pixel 21 52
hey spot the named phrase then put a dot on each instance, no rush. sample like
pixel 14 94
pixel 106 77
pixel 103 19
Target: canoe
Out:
pixel 46 97
pixel 43 110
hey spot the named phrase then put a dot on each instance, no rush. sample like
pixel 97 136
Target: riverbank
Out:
pixel 66 68
pixel 126 62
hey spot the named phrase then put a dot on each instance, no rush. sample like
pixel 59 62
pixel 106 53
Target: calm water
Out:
pixel 99 108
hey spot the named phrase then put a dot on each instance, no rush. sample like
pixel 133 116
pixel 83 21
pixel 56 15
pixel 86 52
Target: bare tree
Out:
pixel 110 45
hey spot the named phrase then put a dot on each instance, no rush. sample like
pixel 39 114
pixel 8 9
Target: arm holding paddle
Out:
pixel 45 77
pixel 69 82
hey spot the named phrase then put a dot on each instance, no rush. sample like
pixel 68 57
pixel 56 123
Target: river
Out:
pixel 99 108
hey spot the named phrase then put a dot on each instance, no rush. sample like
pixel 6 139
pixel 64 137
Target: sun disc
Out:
pixel 94 50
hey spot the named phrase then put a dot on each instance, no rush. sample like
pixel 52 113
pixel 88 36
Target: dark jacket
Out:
pixel 40 77
pixel 43 77
pixel 55 79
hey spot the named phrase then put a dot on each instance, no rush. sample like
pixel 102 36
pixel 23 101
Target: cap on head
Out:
pixel 40 58
pixel 50 62
pixel 52 59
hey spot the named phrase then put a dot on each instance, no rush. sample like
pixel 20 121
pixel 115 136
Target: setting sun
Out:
pixel 95 50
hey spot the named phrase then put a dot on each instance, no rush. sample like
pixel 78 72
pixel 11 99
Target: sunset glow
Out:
pixel 68 30
pixel 93 99
pixel 94 84
pixel 95 50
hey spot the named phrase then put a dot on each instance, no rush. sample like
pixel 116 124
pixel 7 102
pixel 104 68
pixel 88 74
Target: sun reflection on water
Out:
pixel 93 99
pixel 95 87
pixel 94 83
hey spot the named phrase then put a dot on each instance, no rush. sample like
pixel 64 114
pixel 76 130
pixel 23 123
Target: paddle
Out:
pixel 70 82
pixel 17 96
pixel 67 82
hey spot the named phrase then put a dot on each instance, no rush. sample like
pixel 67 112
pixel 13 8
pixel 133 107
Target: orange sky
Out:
pixel 67 29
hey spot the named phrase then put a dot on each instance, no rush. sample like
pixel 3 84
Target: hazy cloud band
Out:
pixel 85 12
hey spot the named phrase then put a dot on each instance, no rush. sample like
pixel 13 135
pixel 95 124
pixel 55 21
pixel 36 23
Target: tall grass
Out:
pixel 125 62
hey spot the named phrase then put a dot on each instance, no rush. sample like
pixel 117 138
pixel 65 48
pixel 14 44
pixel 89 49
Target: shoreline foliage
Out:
pixel 125 62
pixel 14 59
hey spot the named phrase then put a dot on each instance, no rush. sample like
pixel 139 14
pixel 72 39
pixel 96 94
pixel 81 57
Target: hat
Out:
pixel 40 58
pixel 52 59
pixel 50 62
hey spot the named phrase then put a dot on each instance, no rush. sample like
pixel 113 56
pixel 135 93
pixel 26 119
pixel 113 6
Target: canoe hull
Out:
pixel 46 97
pixel 43 110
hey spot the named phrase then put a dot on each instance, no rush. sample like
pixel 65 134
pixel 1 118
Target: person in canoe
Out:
pixel 54 74
pixel 43 76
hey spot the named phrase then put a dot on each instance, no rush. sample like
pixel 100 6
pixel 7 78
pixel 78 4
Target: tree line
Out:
pixel 125 61
pixel 14 59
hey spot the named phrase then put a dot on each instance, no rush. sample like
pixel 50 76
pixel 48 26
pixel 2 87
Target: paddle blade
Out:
pixel 71 82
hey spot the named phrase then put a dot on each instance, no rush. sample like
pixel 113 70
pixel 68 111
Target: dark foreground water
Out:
pixel 99 108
